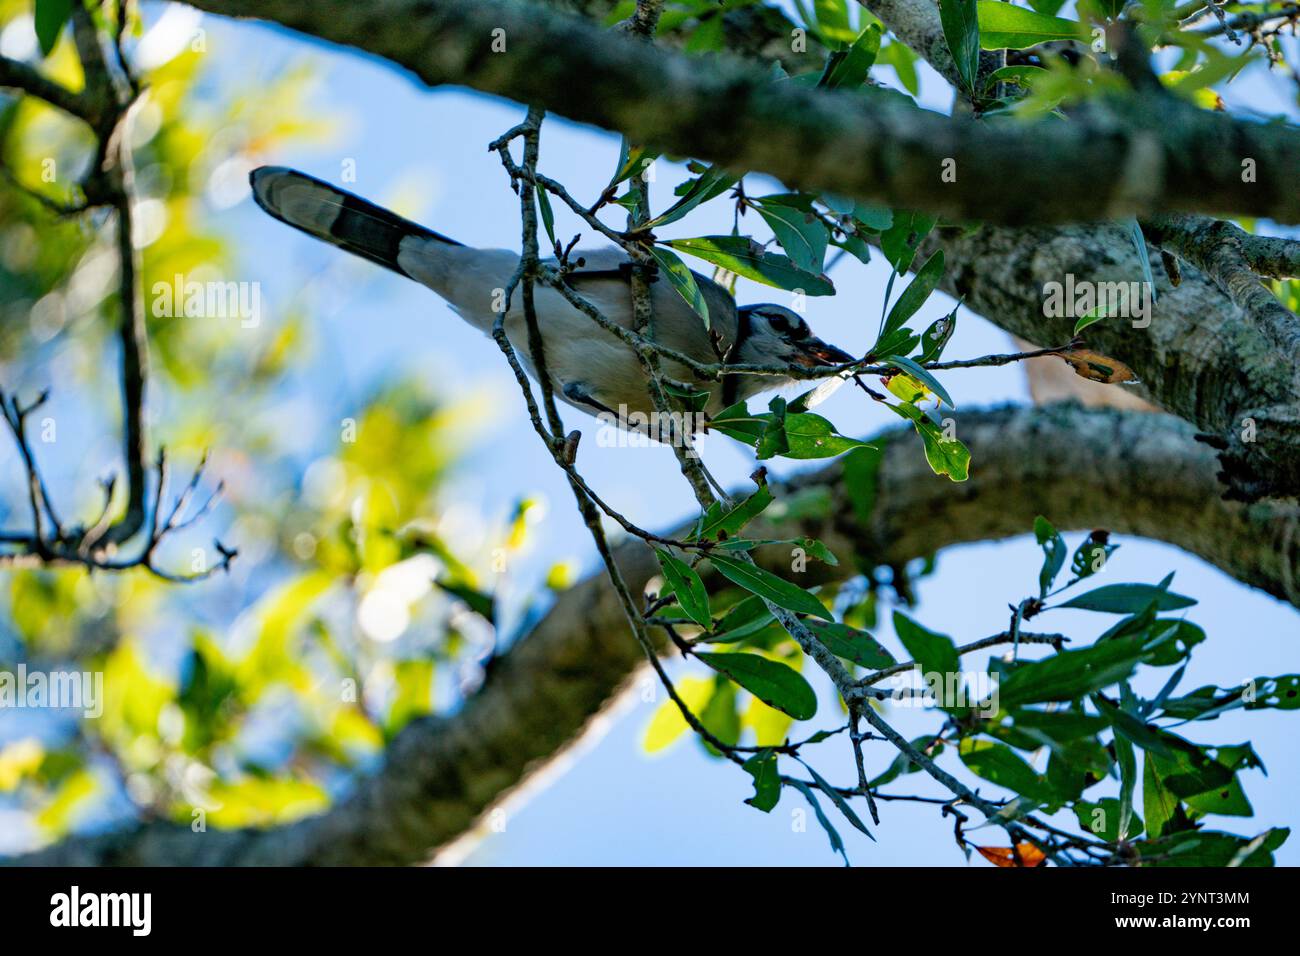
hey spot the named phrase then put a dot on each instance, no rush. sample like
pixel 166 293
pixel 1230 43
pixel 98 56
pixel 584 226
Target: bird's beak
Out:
pixel 817 353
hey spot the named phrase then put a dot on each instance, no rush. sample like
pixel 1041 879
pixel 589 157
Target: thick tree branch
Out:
pixel 1135 474
pixel 1197 357
pixel 1126 156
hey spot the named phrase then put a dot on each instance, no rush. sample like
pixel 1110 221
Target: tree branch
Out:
pixel 1128 155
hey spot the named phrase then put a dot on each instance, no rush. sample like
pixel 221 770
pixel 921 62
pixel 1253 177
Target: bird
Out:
pixel 590 368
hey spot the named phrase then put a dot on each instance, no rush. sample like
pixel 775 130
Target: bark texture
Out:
pixel 1127 156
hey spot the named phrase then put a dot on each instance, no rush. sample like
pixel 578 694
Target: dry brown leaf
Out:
pixel 1030 855
pixel 1097 367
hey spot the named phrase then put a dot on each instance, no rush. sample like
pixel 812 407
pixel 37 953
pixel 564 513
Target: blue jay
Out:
pixel 590 368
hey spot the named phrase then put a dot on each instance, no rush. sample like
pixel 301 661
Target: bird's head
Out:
pixel 774 335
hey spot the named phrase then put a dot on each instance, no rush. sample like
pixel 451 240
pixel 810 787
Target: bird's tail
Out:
pixel 337 217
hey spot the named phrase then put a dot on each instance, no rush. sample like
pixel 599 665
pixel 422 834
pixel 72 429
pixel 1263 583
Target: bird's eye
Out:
pixel 778 323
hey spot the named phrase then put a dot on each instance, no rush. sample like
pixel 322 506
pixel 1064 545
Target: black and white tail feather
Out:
pixel 338 217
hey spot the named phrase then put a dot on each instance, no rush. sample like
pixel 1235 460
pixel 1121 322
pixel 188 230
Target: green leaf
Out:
pixel 710 184
pixel 946 456
pixel 914 296
pixel 668 724
pixel 851 644
pixel 936 338
pixel 414 693
pixel 902 764
pixel 860 469
pixel 683 280
pixel 802 235
pixel 906 231
pixel 1091 556
pixel 775 684
pixel 1070 675
pixel 747 258
pixel 1053 546
pixel 901 57
pixel 1128 599
pixel 850 68
pixel 631 161
pixel 1106 821
pixel 837 843
pixel 718 523
pixel 1126 757
pixel 961 30
pixel 1001 765
pixel 1158 804
pixel 719 716
pixel 1006 27
pixel 748 617
pixel 773 440
pixel 921 375
pixel 767 585
pixel 1021 75
pixel 806 436
pixel 837 798
pixel 51 15
pixel 686 586
pixel 767 780
pixel 548 214
pixel 933 653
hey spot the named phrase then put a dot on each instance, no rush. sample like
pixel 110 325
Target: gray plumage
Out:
pixel 590 368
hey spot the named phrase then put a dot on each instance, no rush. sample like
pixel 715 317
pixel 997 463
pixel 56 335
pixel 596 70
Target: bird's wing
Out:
pixel 604 276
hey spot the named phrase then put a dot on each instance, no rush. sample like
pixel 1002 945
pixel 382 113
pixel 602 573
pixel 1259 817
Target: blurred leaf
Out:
pixel 849 68
pixel 414 697
pixel 18 760
pixel 668 724
pixel 51 16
